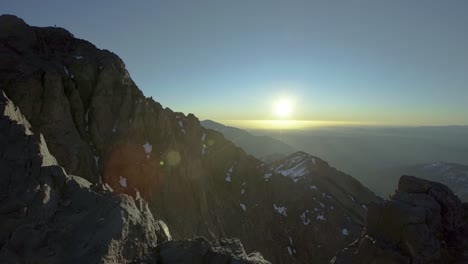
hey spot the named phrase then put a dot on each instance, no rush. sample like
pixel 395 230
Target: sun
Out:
pixel 283 108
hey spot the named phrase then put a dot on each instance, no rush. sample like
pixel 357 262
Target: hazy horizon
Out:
pixel 281 124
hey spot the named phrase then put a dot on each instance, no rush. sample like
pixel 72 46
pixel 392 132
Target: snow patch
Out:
pixel 181 125
pixel 96 159
pixel 114 129
pixel 86 118
pixel 313 187
pixel 229 173
pixel 66 71
pixel 345 232
pixel 243 206
pixel 78 57
pixel 290 251
pixel 203 151
pixel 242 191
pixel 267 176
pixel 304 218
pixel 87 115
pixel 148 148
pixel 123 182
pixel 280 209
pixel 364 206
pixel 321 217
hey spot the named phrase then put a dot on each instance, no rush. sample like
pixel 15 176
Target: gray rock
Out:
pixel 49 216
pixel 199 250
pixel 423 222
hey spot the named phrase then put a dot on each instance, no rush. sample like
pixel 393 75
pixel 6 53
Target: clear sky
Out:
pixel 377 61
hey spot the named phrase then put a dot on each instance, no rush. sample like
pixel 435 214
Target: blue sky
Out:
pixel 393 62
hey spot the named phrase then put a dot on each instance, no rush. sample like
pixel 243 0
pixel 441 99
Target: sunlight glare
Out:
pixel 283 108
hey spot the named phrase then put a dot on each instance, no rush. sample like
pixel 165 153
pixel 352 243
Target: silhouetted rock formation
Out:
pixel 423 222
pixel 454 175
pixel 98 125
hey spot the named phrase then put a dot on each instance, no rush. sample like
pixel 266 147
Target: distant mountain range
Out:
pixel 263 147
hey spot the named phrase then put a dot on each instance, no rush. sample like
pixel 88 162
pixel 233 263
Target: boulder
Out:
pixel 423 222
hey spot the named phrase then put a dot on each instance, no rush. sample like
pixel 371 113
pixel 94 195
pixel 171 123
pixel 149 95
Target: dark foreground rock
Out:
pixel 48 216
pixel 423 222
pixel 200 250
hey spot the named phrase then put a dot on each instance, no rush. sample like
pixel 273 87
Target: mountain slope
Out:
pixel 261 147
pixel 98 125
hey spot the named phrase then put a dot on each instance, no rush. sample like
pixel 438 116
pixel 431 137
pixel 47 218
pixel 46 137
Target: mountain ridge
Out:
pixel 261 147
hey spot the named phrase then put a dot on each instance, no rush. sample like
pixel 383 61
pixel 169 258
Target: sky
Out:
pixel 393 62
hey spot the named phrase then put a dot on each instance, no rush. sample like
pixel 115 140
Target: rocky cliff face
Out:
pixel 48 216
pixel 98 125
pixel 423 222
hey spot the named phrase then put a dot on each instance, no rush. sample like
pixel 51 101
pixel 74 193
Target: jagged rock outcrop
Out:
pixel 99 125
pixel 454 175
pixel 48 216
pixel 200 250
pixel 423 222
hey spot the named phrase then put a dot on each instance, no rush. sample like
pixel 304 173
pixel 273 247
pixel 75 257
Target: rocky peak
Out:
pixel 423 222
pixel 453 175
pixel 295 166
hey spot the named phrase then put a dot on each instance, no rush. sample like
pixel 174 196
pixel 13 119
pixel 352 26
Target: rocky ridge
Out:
pixel 423 222
pixel 100 126
pixel 261 147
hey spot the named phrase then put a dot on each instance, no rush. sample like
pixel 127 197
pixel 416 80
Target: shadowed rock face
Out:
pixel 99 125
pixel 47 216
pixel 423 222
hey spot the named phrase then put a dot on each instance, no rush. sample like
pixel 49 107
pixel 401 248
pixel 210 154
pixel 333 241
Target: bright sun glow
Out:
pixel 283 108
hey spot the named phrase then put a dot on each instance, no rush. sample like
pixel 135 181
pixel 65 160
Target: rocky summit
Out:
pixel 99 126
pixel 423 222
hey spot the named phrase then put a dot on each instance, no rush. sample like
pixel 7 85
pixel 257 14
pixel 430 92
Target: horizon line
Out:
pixel 287 124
